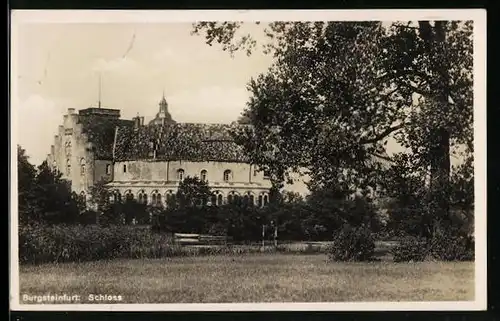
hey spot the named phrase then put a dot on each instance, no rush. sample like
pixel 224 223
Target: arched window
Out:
pixel 117 197
pixel 82 166
pixel 129 196
pixel 220 199
pixel 180 174
pixel 245 200
pixel 260 201
pixel 266 200
pixel 170 198
pixel 83 197
pixel 252 199
pixel 108 169
pixel 203 175
pixel 142 197
pixel 68 167
pixel 67 148
pixel 233 197
pixel 156 198
pixel 227 175
pixel 213 199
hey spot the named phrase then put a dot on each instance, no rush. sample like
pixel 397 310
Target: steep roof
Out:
pixel 178 141
pixel 100 132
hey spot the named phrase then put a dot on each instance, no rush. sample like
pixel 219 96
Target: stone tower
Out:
pixel 163 116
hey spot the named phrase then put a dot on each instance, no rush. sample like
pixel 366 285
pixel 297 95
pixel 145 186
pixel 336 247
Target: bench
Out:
pixel 200 239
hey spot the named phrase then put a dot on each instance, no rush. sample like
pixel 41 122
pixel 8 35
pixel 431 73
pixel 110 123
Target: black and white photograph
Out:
pixel 248 160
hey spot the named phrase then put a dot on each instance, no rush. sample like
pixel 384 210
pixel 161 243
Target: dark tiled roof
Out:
pixel 101 133
pixel 181 141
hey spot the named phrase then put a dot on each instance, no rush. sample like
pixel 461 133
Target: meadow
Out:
pixel 258 277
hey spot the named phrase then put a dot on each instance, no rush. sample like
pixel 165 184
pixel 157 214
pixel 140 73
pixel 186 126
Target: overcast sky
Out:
pixel 201 83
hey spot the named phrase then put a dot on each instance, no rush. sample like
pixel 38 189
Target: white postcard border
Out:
pixel 175 16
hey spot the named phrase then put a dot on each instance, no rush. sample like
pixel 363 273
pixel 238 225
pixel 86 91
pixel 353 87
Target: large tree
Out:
pixel 338 90
pixel 26 176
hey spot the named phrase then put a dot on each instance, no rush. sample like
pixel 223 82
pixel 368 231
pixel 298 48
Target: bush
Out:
pixel 60 243
pixel 352 244
pixel 448 247
pixel 410 249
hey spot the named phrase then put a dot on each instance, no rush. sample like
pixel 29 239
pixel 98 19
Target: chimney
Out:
pixel 71 111
pixel 142 121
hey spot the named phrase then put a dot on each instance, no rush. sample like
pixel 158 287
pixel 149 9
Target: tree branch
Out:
pixel 382 135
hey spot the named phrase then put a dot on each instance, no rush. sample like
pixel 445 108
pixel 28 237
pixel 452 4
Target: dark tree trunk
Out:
pixel 435 38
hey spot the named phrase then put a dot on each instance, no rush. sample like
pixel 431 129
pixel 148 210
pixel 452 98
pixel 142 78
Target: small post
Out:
pixel 263 235
pixel 276 236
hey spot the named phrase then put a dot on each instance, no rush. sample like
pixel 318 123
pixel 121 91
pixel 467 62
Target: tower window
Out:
pixel 227 175
pixel 124 168
pixel 108 169
pixel 267 174
pixel 82 166
pixel 203 175
pixel 68 167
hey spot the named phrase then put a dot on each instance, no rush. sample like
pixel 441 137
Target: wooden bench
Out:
pixel 200 239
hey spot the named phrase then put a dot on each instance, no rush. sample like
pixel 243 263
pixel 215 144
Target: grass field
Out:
pixel 252 278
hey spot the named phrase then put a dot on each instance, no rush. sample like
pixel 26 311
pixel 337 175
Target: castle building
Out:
pixel 147 162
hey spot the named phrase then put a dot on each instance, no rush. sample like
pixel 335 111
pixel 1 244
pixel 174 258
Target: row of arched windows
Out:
pixel 216 199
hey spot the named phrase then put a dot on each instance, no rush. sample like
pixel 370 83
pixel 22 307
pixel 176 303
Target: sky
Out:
pixel 59 65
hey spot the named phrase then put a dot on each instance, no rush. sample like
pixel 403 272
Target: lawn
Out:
pixel 252 278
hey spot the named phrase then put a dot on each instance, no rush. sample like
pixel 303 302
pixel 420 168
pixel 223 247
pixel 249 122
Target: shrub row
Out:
pixel 442 247
pixel 62 243
pixel 77 243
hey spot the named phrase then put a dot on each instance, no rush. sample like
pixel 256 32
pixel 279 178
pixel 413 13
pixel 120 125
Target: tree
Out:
pixel 55 202
pixel 193 191
pixel 338 90
pixel 405 185
pixel 26 175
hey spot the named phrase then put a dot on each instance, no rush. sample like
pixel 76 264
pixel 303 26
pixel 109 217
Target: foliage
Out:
pixel 64 243
pixel 338 90
pixel 453 247
pixel 26 176
pixel 352 244
pixel 43 195
pixel 411 248
pixel 193 191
